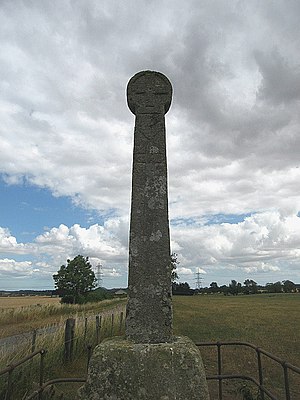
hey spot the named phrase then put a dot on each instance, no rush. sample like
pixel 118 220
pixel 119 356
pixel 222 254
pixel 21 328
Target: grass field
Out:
pixel 25 301
pixel 269 321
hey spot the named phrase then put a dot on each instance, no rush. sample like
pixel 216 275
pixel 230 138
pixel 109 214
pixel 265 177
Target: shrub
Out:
pixel 98 294
pixel 67 299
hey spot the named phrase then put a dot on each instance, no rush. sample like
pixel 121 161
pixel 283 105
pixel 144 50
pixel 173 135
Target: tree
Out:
pixel 224 289
pixel 250 287
pixel 174 263
pixel 182 289
pixel 274 287
pixel 98 294
pixel 288 286
pixel 214 288
pixel 75 279
pixel 235 287
pixel 277 287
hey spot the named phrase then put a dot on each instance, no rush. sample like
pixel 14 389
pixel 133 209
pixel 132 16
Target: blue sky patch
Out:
pixel 218 219
pixel 215 219
pixel 28 210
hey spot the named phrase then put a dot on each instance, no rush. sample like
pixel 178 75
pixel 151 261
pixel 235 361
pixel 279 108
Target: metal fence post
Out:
pixel 220 371
pixel 286 381
pixel 69 339
pixel 260 373
pixel 42 372
pixel 9 385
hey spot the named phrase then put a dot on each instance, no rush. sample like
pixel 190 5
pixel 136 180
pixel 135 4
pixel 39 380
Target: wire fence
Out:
pixel 72 341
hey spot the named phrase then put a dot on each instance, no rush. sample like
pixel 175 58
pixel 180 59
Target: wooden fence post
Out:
pixel 33 340
pixel 121 322
pixel 112 324
pixel 98 327
pixel 85 329
pixel 69 339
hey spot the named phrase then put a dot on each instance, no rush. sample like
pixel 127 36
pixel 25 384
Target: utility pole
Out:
pixel 199 280
pixel 99 275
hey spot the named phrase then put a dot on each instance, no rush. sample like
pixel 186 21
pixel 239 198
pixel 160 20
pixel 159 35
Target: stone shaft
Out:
pixel 149 309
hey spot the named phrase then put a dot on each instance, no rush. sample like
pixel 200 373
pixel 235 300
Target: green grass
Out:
pixel 269 321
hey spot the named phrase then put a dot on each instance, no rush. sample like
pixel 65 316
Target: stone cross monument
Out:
pixel 149 309
pixel 149 363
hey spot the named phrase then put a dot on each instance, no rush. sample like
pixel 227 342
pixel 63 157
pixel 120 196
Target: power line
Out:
pixel 99 275
pixel 198 280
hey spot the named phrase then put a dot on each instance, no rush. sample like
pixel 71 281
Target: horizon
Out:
pixel 126 287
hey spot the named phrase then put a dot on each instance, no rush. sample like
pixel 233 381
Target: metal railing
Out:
pixel 38 393
pixel 260 382
pixel 220 377
pixel 10 369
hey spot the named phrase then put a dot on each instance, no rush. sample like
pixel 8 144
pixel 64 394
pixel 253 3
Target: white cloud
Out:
pixel 232 132
pixel 14 269
pixel 261 267
pixel 66 126
pixel 184 271
pixel 96 241
pixel 267 242
pixel 9 244
pixel 263 242
pixel 112 273
pixel 103 244
pixel 189 271
pixel 7 241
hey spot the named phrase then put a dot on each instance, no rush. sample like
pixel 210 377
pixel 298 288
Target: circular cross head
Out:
pixel 149 91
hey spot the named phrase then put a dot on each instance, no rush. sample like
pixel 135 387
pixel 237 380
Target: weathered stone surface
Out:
pixel 149 309
pixel 120 369
pixel 150 364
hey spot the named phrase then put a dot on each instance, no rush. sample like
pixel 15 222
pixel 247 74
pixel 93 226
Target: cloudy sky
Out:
pixel 233 134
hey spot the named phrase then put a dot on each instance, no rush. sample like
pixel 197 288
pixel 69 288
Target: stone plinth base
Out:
pixel 120 369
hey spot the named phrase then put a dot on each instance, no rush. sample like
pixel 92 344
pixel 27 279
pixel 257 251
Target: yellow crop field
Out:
pixel 24 301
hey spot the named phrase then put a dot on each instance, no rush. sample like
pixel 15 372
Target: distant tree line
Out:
pixel 235 288
pixel 182 289
pixel 25 292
